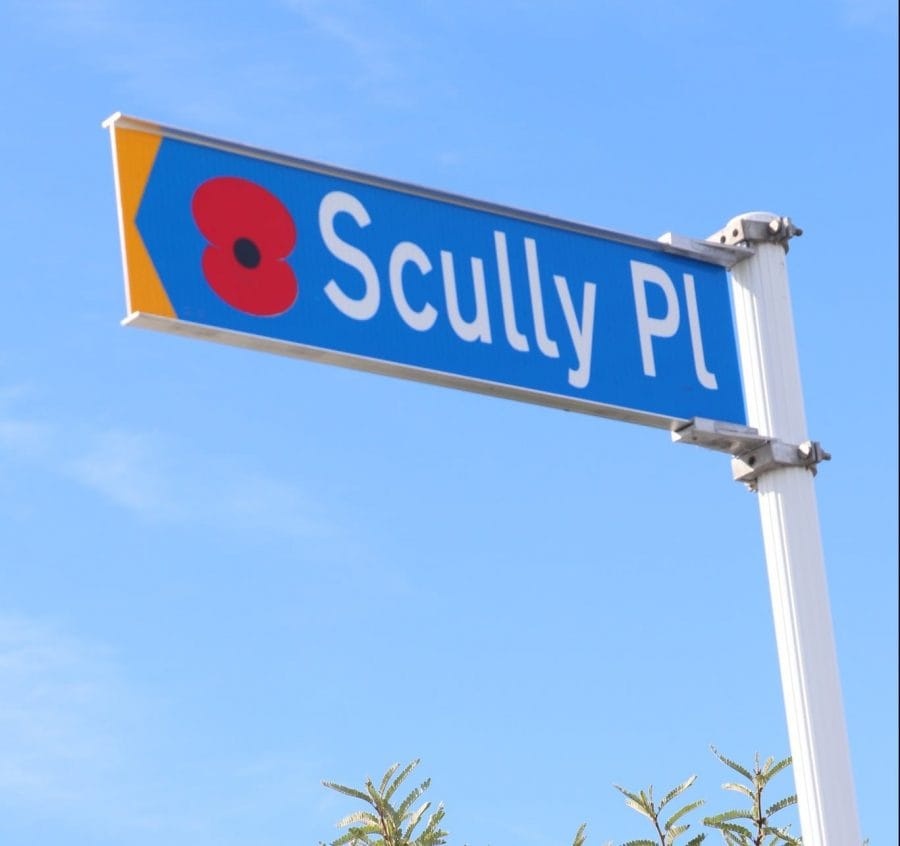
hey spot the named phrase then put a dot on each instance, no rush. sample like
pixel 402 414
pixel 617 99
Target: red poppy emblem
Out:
pixel 250 233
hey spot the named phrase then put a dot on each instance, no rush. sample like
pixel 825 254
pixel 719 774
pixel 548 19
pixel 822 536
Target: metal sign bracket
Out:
pixel 753 454
pixel 749 229
pixel 749 466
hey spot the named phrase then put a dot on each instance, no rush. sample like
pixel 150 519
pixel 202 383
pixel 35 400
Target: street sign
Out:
pixel 251 248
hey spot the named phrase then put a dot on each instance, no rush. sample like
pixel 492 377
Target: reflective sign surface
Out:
pixel 250 248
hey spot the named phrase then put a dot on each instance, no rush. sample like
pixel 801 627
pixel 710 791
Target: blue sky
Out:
pixel 225 575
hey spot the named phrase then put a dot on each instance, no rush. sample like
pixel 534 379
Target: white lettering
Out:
pixel 545 344
pixel 479 328
pixel 406 252
pixel 516 339
pixel 332 204
pixel 707 379
pixel 582 336
pixel 650 327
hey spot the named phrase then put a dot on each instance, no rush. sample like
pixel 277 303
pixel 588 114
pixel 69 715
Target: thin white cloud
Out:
pixel 158 480
pixel 19 436
pixel 225 79
pixel 870 13
pixel 268 505
pixel 150 476
pixel 84 749
pixel 76 741
pixel 58 721
pixel 25 437
pixel 89 17
pixel 152 54
pixel 345 27
pixel 124 467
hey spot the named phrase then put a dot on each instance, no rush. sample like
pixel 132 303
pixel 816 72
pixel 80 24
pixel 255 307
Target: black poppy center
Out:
pixel 246 253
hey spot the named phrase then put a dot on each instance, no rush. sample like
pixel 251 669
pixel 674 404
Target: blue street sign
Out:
pixel 265 251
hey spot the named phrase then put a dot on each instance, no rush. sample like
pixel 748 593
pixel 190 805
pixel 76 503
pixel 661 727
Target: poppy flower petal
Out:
pixel 250 233
pixel 265 290
pixel 227 208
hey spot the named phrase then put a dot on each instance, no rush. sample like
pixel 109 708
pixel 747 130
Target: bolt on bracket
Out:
pixel 752 229
pixel 722 437
pixel 753 454
pixel 749 466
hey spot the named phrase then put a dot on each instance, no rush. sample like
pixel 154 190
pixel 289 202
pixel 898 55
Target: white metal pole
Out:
pixel 793 546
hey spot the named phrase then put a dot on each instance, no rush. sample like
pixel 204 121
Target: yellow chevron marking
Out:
pixel 135 153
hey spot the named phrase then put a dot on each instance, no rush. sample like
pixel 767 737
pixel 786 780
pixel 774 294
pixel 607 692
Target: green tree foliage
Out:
pixel 388 820
pixel 387 824
pixel 753 826
pixel 667 830
pixel 383 823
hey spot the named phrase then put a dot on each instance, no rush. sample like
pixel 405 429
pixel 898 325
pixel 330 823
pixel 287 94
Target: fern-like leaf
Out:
pixel 353 837
pixel 685 810
pixel 433 835
pixel 727 816
pixel 781 804
pixel 732 764
pixel 783 834
pixel 639 807
pixel 413 795
pixel 632 796
pixel 777 768
pixel 735 828
pixel 400 778
pixel 347 791
pixel 676 791
pixel 580 836
pixel 739 788
pixel 357 817
pixel 387 777
pixel 673 833
pixel 414 819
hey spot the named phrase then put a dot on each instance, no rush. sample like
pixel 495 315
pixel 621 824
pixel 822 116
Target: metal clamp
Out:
pixel 757 228
pixel 748 466
pixel 753 454
pixel 722 437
